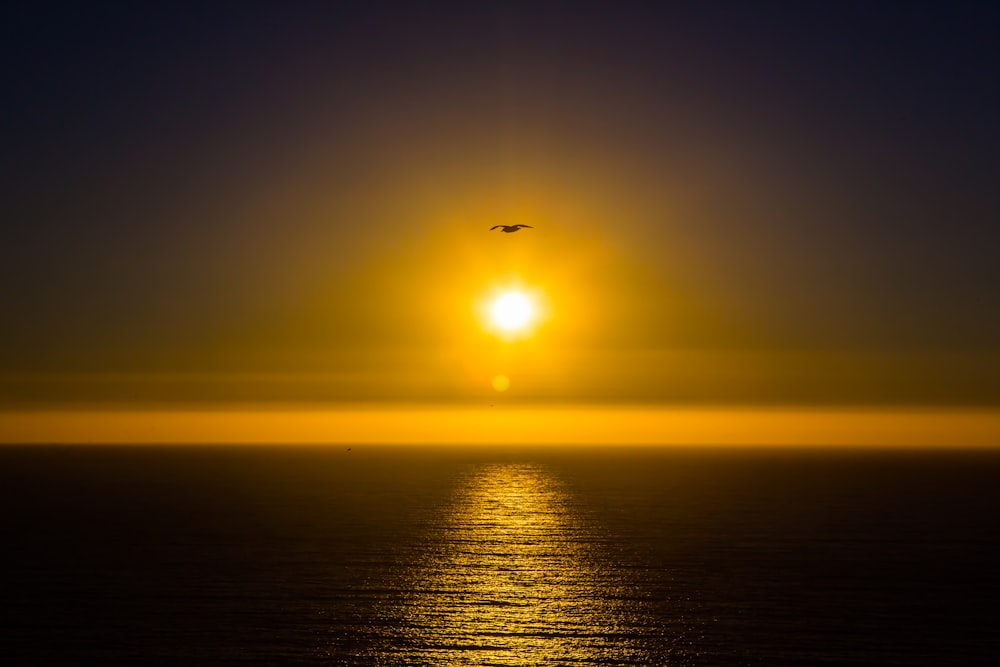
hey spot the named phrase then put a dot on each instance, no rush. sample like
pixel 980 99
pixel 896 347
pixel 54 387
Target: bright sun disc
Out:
pixel 512 311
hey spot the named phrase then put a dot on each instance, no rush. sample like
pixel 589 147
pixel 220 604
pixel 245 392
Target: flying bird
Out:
pixel 507 229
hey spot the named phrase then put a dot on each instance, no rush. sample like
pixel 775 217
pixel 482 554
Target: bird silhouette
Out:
pixel 507 229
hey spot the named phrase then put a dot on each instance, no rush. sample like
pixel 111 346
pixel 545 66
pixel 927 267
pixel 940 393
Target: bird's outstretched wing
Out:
pixel 495 227
pixel 528 226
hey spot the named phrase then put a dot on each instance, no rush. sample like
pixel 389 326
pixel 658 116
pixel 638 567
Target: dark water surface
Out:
pixel 499 556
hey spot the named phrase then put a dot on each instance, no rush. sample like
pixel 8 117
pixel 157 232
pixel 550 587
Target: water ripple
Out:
pixel 516 575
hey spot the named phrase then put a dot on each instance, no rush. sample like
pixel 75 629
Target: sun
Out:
pixel 512 311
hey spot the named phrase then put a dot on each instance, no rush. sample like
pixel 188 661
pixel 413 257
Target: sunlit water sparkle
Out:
pixel 515 575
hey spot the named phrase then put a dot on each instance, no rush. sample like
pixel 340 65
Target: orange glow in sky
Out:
pixel 340 249
pixel 573 425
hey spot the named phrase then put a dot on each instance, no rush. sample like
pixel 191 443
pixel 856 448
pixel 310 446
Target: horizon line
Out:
pixel 567 424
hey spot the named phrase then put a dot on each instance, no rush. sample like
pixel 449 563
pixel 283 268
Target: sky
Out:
pixel 732 204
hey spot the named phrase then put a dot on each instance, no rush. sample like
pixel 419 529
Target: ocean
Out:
pixel 415 555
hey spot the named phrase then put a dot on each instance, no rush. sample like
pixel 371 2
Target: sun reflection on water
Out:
pixel 514 577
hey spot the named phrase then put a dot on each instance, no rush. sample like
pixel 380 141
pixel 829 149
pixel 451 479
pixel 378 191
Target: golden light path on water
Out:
pixel 516 577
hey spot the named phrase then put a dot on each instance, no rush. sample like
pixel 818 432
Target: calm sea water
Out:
pixel 502 556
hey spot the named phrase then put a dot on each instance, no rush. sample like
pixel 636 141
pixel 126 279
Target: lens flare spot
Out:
pixel 501 382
